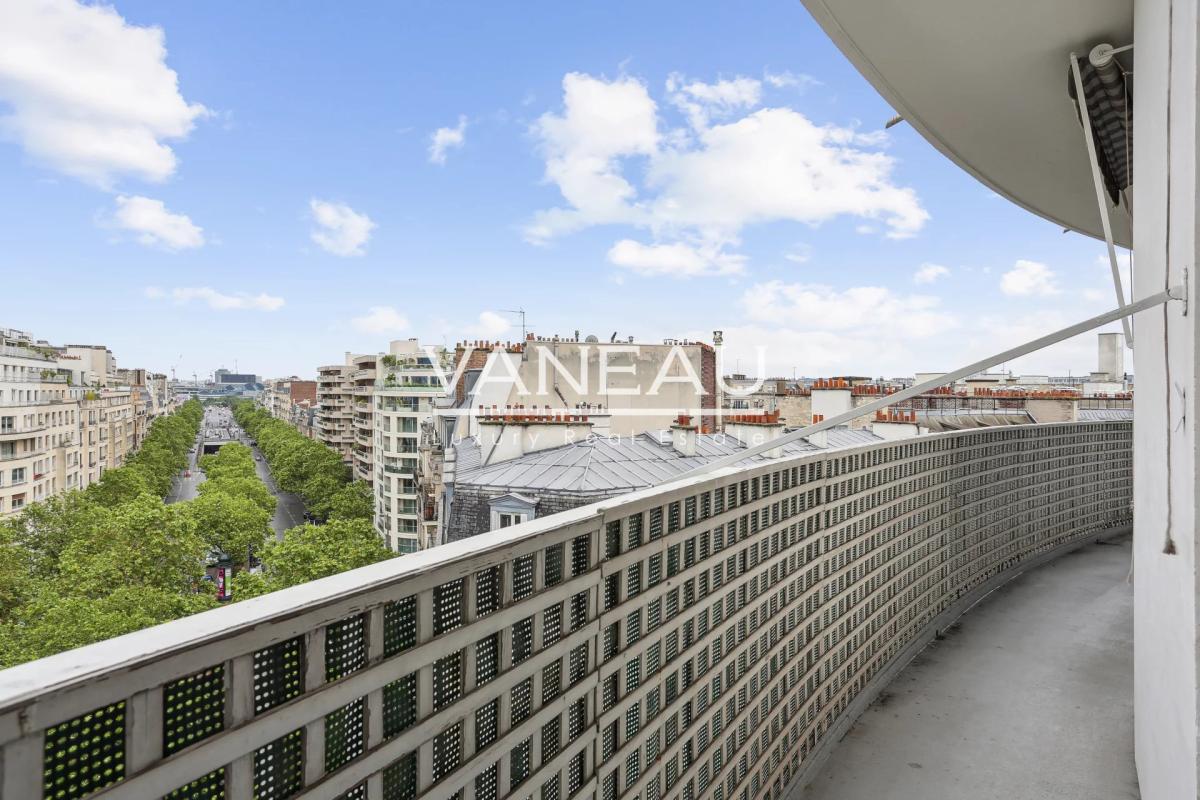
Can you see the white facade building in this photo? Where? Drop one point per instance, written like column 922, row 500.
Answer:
column 408, row 384
column 62, row 422
column 335, row 415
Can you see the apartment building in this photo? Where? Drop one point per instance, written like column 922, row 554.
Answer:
column 407, row 464
column 291, row 400
column 334, row 424
column 618, row 390
column 640, row 386
column 109, row 431
column 362, row 383
column 38, row 422
column 63, row 421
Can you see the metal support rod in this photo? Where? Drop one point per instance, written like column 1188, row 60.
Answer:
column 1101, row 202
column 1122, row 312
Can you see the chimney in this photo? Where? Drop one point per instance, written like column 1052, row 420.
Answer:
column 756, row 429
column 831, row 396
column 597, row 417
column 1112, row 356
column 518, row 431
column 892, row 424
column 820, row 439
column 684, row 435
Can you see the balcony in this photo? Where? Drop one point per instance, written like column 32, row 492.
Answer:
column 21, row 456
column 10, row 434
column 1051, row 651
column 776, row 598
column 39, row 378
column 402, row 387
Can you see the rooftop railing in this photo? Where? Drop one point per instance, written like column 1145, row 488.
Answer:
column 16, row 351
column 703, row 639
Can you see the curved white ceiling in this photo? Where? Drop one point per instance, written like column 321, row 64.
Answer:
column 985, row 81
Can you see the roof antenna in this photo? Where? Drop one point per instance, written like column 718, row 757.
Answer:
column 520, row 311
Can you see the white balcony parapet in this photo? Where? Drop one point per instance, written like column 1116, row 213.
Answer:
column 700, row 639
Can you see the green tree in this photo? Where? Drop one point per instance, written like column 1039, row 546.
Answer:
column 250, row 488
column 141, row 543
column 15, row 581
column 53, row 623
column 319, row 491
column 44, row 530
column 353, row 501
column 308, row 552
column 230, row 522
column 119, row 485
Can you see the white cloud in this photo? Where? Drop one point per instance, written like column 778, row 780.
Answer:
column 701, row 101
column 800, row 254
column 786, row 80
column 492, row 324
column 821, row 330
column 602, row 123
column 930, row 273
column 217, row 301
column 87, row 93
column 340, row 229
column 677, row 259
column 154, row 225
column 869, row 309
column 772, row 164
column 775, row 164
column 1029, row 279
column 381, row 321
column 445, row 138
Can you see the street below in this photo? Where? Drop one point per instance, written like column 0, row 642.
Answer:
column 219, row 427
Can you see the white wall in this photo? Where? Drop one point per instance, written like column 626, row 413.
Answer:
column 1164, row 450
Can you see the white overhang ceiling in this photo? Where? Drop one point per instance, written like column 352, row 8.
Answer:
column 985, row 81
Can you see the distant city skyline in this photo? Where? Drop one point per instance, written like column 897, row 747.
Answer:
column 289, row 195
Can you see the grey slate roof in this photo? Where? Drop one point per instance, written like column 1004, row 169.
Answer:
column 606, row 466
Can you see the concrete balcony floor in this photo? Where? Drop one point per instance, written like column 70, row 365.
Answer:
column 1029, row 696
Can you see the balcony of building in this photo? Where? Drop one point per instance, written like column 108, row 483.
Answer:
column 404, row 471
column 22, row 455
column 708, row 638
column 1050, row 652
column 34, row 377
column 9, row 434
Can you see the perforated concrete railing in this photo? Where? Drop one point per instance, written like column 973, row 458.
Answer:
column 693, row 641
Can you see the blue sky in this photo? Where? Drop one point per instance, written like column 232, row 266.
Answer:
column 657, row 169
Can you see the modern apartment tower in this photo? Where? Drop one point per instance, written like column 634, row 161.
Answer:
column 334, row 419
column 408, row 384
